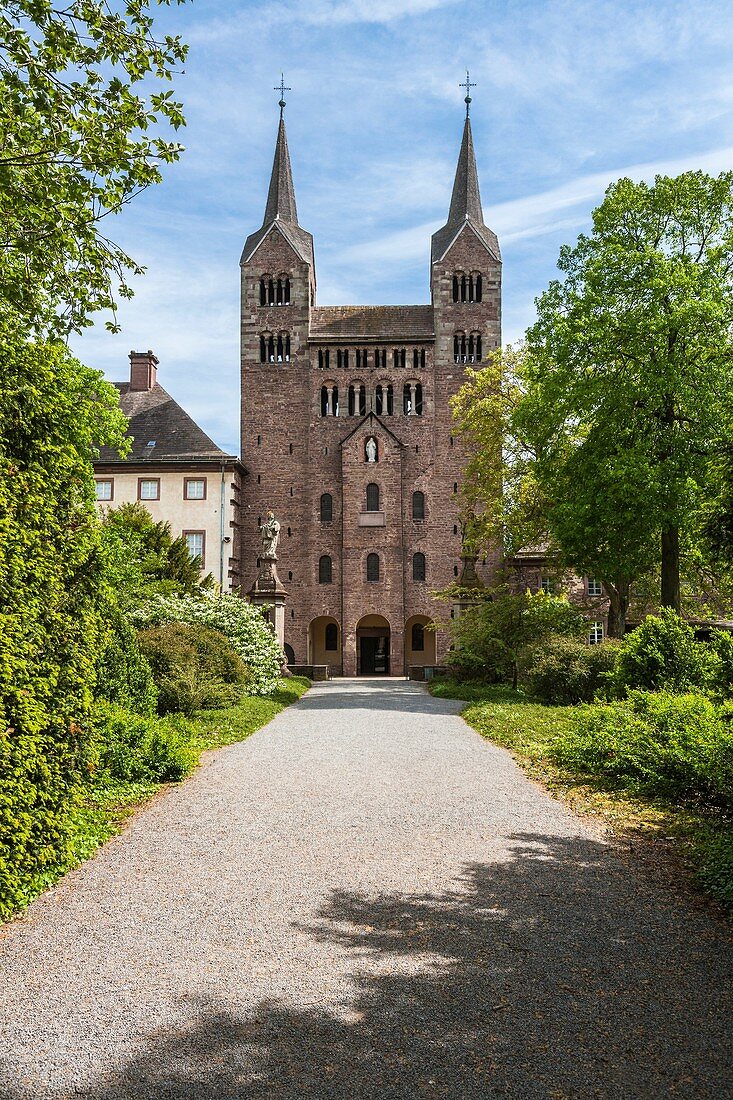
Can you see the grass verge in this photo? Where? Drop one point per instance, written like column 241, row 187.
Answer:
column 672, row 837
column 105, row 804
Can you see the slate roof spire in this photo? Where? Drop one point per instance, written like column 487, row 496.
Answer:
column 466, row 198
column 280, row 209
column 281, row 196
column 465, row 203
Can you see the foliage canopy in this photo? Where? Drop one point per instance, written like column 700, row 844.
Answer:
column 81, row 133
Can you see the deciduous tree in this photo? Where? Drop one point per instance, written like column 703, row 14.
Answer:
column 81, row 132
column 629, row 370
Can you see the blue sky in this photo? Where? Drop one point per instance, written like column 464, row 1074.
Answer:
column 571, row 94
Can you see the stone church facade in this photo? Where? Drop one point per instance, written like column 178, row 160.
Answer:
column 347, row 432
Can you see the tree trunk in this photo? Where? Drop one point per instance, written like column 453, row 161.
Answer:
column 671, row 569
column 618, row 598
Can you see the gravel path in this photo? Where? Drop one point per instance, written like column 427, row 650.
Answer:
column 363, row 900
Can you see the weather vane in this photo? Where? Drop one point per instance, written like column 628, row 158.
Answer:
column 282, row 90
column 467, row 85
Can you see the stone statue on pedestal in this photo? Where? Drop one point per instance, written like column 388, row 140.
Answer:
column 371, row 449
column 270, row 533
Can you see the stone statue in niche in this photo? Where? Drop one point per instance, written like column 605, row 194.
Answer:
column 371, row 449
column 269, row 533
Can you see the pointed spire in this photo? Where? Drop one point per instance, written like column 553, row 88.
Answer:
column 281, row 196
column 465, row 203
column 466, row 199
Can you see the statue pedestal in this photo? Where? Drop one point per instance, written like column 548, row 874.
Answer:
column 473, row 589
column 268, row 594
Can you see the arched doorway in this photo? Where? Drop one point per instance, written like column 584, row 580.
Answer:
column 324, row 641
column 372, row 646
column 419, row 642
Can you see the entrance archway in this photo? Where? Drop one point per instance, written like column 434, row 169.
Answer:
column 372, row 646
column 324, row 641
column 419, row 642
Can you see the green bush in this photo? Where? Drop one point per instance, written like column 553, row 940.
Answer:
column 489, row 638
column 721, row 646
column 662, row 654
column 562, row 671
column 193, row 667
column 52, row 411
column 237, row 619
column 124, row 676
column 674, row 744
column 134, row 748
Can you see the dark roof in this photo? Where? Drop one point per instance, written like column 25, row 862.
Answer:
column 281, row 209
column 384, row 323
column 161, row 430
column 465, row 204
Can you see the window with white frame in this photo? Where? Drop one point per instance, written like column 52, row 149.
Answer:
column 148, row 488
column 194, row 488
column 594, row 587
column 595, row 634
column 546, row 585
column 195, row 541
column 104, row 489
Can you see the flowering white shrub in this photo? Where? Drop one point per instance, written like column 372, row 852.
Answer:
column 242, row 624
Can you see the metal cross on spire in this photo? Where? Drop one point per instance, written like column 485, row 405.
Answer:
column 282, row 90
column 467, row 85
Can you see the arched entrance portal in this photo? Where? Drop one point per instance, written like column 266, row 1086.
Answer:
column 372, row 646
column 419, row 642
column 324, row 642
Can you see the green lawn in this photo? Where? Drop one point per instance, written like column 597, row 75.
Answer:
column 106, row 804
column 698, row 837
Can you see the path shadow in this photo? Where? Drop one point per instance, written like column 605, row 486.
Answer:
column 548, row 975
column 398, row 696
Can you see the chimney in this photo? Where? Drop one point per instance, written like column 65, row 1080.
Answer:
column 143, row 373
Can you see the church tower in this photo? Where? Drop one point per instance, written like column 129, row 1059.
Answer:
column 347, row 432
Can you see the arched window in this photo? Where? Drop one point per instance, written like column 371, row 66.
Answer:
column 351, row 399
column 263, row 293
column 287, row 347
column 418, row 638
column 332, row 637
column 390, row 401
column 263, row 350
column 372, row 570
column 418, row 567
column 326, row 508
column 479, row 288
column 418, row 505
column 280, row 348
column 270, row 292
column 455, row 288
column 379, row 400
column 325, row 570
column 456, row 348
column 286, row 293
column 463, row 288
column 372, row 497
column 418, row 399
column 324, row 401
column 271, row 349
column 279, row 293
